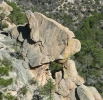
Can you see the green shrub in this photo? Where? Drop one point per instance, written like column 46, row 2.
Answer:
column 0, row 8
column 17, row 16
column 23, row 90
column 1, row 96
column 5, row 67
column 10, row 97
column 4, row 70
column 5, row 82
column 90, row 58
column 47, row 89
column 2, row 15
column 7, row 63
column 55, row 67
column 2, row 25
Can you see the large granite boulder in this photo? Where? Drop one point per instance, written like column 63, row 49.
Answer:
column 52, row 40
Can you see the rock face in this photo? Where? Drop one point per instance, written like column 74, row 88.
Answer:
column 52, row 40
column 95, row 93
column 71, row 72
column 41, row 41
column 84, row 93
column 5, row 8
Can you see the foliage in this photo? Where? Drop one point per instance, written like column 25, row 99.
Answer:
column 2, row 25
column 10, row 97
column 2, row 15
column 33, row 81
column 47, row 90
column 4, row 70
column 5, row 67
column 23, row 90
column 55, row 67
column 90, row 58
column 5, row 82
column 17, row 16
column 6, row 62
column 66, row 19
column 97, row 1
column 0, row 8
column 1, row 96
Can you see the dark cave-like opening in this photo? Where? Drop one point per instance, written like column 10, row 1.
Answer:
column 25, row 31
column 76, row 95
column 56, row 67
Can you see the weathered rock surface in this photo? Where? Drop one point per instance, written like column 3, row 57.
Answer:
column 72, row 95
column 44, row 40
column 95, row 93
column 53, row 41
column 63, row 88
column 5, row 8
column 41, row 74
column 71, row 73
column 84, row 93
column 58, row 77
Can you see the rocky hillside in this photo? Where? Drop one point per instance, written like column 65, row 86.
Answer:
column 85, row 19
column 36, row 64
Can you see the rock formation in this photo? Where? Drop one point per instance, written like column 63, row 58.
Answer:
column 52, row 41
column 5, row 8
column 41, row 41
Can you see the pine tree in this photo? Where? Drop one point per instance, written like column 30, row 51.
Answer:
column 47, row 90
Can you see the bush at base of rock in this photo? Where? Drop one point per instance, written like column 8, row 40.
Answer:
column 55, row 67
column 47, row 90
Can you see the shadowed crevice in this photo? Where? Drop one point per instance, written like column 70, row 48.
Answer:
column 4, row 33
column 76, row 95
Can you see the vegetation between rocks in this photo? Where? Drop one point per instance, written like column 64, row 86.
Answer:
column 8, row 96
column 47, row 90
column 5, row 67
column 17, row 16
column 23, row 90
column 55, row 67
column 5, row 82
column 2, row 25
